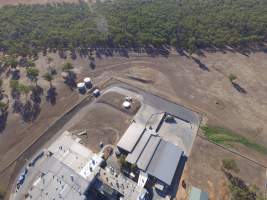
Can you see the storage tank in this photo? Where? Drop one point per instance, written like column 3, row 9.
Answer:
column 81, row 87
column 87, row 81
column 126, row 104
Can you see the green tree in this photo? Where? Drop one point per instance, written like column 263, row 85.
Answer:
column 24, row 89
column 71, row 76
column 3, row 106
column 14, row 85
column 232, row 78
column 49, row 60
column 11, row 61
column 230, row 164
column 32, row 74
column 49, row 77
column 29, row 63
column 2, row 192
column 67, row 67
column 1, row 89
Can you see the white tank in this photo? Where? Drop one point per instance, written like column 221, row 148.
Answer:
column 87, row 80
column 126, row 104
column 80, row 85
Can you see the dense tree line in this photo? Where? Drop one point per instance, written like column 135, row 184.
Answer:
column 186, row 24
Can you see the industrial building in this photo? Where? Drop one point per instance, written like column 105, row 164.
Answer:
column 68, row 170
column 152, row 155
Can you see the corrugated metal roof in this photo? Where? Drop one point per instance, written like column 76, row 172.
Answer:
column 133, row 157
column 148, row 152
column 165, row 162
column 131, row 136
column 155, row 120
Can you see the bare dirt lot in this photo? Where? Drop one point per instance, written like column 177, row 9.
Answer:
column 102, row 123
column 116, row 100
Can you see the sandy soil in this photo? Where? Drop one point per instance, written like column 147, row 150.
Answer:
column 116, row 100
column 102, row 123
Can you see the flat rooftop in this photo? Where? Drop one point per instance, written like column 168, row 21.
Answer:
column 125, row 186
column 58, row 175
column 68, row 150
column 57, row 181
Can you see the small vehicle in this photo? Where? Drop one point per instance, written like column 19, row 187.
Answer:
column 96, row 92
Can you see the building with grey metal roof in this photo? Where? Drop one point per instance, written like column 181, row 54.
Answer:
column 156, row 157
column 148, row 152
column 134, row 156
column 165, row 162
column 131, row 137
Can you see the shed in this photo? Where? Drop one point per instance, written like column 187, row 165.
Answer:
column 131, row 137
column 197, row 194
column 165, row 162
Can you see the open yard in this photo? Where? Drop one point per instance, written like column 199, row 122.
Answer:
column 116, row 100
column 102, row 123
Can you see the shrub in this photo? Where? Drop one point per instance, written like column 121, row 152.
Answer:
column 232, row 77
column 230, row 164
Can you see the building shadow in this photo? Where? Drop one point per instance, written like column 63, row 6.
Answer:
column 177, row 177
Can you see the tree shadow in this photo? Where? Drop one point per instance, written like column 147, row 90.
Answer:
column 123, row 52
column 200, row 64
column 71, row 80
column 92, row 65
column 154, row 51
column 244, row 49
column 73, row 55
column 239, row 88
column 36, row 94
column 62, row 54
column 182, row 52
column 30, row 111
column 240, row 190
column 3, row 120
column 17, row 105
column 15, row 94
column 15, row 74
column 83, row 52
column 51, row 96
column 98, row 54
